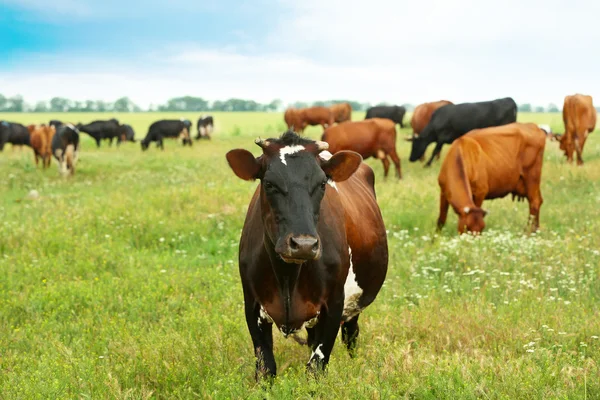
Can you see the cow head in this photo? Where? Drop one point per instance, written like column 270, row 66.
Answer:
column 419, row 145
column 145, row 143
column 471, row 219
column 293, row 182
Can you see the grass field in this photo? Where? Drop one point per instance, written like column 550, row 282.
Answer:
column 122, row 281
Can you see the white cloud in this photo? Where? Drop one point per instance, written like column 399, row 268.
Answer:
column 395, row 51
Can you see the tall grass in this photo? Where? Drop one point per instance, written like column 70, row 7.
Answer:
column 122, row 281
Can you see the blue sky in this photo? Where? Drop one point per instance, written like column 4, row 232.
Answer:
column 380, row 50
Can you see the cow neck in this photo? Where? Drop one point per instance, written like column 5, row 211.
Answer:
column 460, row 186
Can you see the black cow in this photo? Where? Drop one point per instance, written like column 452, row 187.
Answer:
column 100, row 129
column 394, row 113
column 127, row 134
column 313, row 250
column 55, row 123
column 65, row 148
column 167, row 128
column 14, row 133
column 205, row 127
column 450, row 122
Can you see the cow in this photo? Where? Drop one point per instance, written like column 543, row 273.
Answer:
column 450, row 122
column 205, row 127
column 127, row 134
column 579, row 117
column 65, row 148
column 394, row 113
column 546, row 128
column 41, row 143
column 55, row 123
column 167, row 128
column 313, row 250
column 342, row 112
column 374, row 137
column 422, row 114
column 14, row 133
column 293, row 119
column 491, row 163
column 102, row 129
column 311, row 116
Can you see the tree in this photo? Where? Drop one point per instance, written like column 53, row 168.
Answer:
column 15, row 104
column 525, row 107
column 124, row 104
column 275, row 105
column 3, row 103
column 41, row 106
column 552, row 108
column 59, row 104
column 408, row 106
column 540, row 109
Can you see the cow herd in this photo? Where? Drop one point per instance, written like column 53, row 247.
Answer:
column 313, row 251
column 61, row 140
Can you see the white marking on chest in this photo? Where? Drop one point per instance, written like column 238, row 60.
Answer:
column 287, row 150
column 264, row 316
column 352, row 293
column 317, row 353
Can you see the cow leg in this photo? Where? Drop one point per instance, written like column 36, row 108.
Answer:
column 110, row 140
column 436, row 151
column 579, row 142
column 37, row 161
column 386, row 166
column 98, row 143
column 326, row 331
column 396, row 160
column 261, row 332
column 350, row 334
column 443, row 211
column 534, row 197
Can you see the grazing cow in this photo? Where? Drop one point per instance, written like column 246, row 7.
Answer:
column 341, row 112
column 374, row 137
column 205, row 127
column 293, row 119
column 100, row 129
column 394, row 113
column 450, row 122
column 55, row 123
column 488, row 164
column 127, row 134
column 313, row 116
column 65, row 147
column 579, row 117
column 14, row 133
column 313, row 250
column 41, row 143
column 422, row 114
column 167, row 128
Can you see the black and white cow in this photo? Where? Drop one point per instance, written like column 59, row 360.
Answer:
column 65, row 148
column 14, row 133
column 205, row 127
column 165, row 128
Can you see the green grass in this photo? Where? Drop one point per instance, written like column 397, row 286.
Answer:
column 122, row 281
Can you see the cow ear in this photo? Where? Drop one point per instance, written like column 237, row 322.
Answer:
column 243, row 164
column 341, row 165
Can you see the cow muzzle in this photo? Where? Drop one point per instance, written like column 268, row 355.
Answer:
column 298, row 249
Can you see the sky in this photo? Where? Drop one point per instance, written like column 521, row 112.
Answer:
column 395, row 51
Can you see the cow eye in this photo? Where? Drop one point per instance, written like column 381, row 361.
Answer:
column 268, row 185
column 324, row 184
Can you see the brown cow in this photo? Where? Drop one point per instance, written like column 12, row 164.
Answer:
column 313, row 251
column 342, row 112
column 375, row 137
column 293, row 119
column 422, row 114
column 579, row 117
column 488, row 164
column 41, row 143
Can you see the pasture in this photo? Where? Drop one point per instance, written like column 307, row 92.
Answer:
column 122, row 281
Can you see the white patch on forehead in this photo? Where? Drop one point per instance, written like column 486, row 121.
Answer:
column 287, row 150
column 352, row 293
column 332, row 184
column 325, row 155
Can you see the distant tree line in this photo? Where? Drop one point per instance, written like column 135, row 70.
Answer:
column 191, row 103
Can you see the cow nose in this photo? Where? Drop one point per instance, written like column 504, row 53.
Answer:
column 304, row 247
